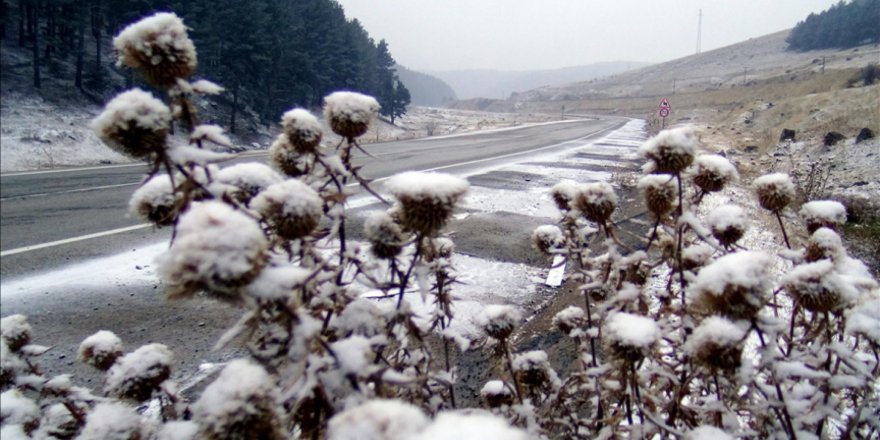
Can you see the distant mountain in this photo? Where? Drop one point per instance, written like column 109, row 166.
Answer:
column 425, row 89
column 500, row 84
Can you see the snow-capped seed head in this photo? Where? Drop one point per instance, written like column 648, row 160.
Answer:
column 360, row 317
column 499, row 321
column 114, row 421
column 11, row 365
column 775, row 191
column 136, row 375
column 548, row 238
column 707, row 433
column 287, row 159
column 629, row 337
column 349, row 113
column 377, row 420
column 240, row 403
column 817, row 287
column 385, row 236
column 18, row 409
column 159, row 47
column 660, row 193
column 670, row 151
column 570, row 318
column 134, row 123
column 864, row 319
column 496, row 394
column 564, row 194
column 713, row 172
column 728, row 223
column 596, row 201
column 291, row 207
column 823, row 213
column 716, row 344
column 426, row 200
column 15, row 331
column 696, row 256
column 533, row 369
column 57, row 422
column 155, row 201
column 302, row 129
column 734, row 285
column 101, row 350
column 475, row 425
column 248, row 179
column 824, row 243
column 217, row 249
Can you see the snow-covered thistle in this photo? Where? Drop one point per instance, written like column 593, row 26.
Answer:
column 716, row 344
column 426, row 200
column 349, row 114
column 292, row 207
column 713, row 173
column 670, row 151
column 155, row 201
column 548, row 239
column 159, row 47
column 135, row 124
column 302, row 129
column 735, row 286
column 101, row 349
column 660, row 193
column 138, row 374
column 728, row 223
column 597, row 201
column 385, row 236
column 775, row 191
column 823, row 214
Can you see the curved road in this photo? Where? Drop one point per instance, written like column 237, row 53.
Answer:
column 51, row 218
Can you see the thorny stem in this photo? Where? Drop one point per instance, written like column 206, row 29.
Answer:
column 782, row 226
column 512, row 374
column 788, row 425
column 405, row 280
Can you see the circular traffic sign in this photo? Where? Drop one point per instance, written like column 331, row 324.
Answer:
column 664, row 112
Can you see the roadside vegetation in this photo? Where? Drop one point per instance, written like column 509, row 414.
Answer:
column 690, row 334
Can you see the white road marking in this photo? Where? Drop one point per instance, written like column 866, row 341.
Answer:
column 67, row 170
column 72, row 240
column 69, row 191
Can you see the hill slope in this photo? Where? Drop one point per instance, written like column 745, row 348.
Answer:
column 425, row 89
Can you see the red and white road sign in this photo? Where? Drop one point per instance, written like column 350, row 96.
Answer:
column 664, row 103
column 664, row 112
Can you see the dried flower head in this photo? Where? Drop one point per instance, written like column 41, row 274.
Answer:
column 101, row 350
column 823, row 214
column 496, row 394
column 426, row 200
column 499, row 321
column 159, row 47
column 629, row 337
column 547, row 239
column 114, row 421
column 240, row 403
column 15, row 331
column 287, row 159
column 349, row 114
column 155, row 201
column 377, row 420
column 291, row 207
column 570, row 318
column 18, row 409
column 734, row 285
column 134, row 123
column 564, row 194
column 824, row 243
column 775, row 191
column 660, row 193
column 302, row 129
column 713, row 172
column 385, row 236
column 670, row 151
column 728, row 223
column 817, row 287
column 596, row 201
column 244, row 181
column 716, row 344
column 217, row 249
column 533, row 369
column 696, row 256
column 136, row 375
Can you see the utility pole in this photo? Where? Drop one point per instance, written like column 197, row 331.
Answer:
column 673, row 86
column 823, row 65
column 745, row 72
column 699, row 29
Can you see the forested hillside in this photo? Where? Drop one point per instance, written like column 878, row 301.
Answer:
column 425, row 89
column 269, row 55
column 846, row 24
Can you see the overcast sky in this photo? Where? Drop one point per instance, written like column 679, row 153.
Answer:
column 543, row 34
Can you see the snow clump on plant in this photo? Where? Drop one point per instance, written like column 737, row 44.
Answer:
column 548, row 238
column 707, row 433
column 660, row 192
column 775, row 191
column 349, row 113
column 15, row 331
column 426, row 200
column 630, row 336
column 292, row 207
column 155, row 201
column 823, row 213
column 713, row 172
column 240, row 403
column 734, row 285
column 475, row 425
column 496, row 393
column 385, row 236
column 244, row 181
column 217, row 249
column 570, row 319
column 134, row 123
column 670, row 151
column 377, row 420
column 17, row 409
column 716, row 344
column 101, row 349
column 596, row 201
column 136, row 375
column 818, row 287
column 302, row 129
column 115, row 421
column 498, row 321
column 159, row 47
column 728, row 223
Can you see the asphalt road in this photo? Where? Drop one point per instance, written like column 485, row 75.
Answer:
column 49, row 219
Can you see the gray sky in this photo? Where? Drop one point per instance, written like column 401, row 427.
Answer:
column 544, row 34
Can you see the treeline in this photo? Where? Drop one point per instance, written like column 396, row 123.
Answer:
column 426, row 89
column 846, row 24
column 268, row 54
